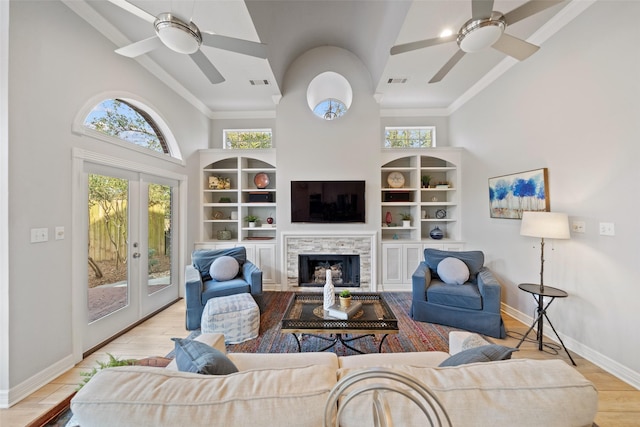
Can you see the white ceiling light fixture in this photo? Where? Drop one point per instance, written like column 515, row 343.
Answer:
column 479, row 34
column 178, row 35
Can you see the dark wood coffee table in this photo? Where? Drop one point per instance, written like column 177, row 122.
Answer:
column 305, row 315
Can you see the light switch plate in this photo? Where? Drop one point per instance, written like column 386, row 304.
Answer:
column 39, row 235
column 607, row 229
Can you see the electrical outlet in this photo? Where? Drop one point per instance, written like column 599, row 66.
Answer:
column 607, row 229
column 578, row 227
column 59, row 233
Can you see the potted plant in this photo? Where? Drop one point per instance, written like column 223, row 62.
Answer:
column 345, row 298
column 425, row 181
column 251, row 219
column 406, row 219
column 225, row 200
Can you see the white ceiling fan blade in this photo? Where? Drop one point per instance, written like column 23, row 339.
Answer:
column 448, row 66
column 134, row 9
column 245, row 47
column 408, row 47
column 207, row 67
column 530, row 8
column 515, row 47
column 481, row 9
column 140, row 48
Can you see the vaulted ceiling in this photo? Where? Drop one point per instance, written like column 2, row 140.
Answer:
column 288, row 28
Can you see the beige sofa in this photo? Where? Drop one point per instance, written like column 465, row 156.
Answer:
column 291, row 390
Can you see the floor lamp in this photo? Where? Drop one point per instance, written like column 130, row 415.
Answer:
column 545, row 225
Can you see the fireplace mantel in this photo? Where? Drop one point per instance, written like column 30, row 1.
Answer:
column 360, row 243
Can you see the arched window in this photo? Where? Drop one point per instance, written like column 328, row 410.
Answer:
column 128, row 122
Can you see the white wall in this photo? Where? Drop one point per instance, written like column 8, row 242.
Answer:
column 57, row 63
column 310, row 148
column 573, row 108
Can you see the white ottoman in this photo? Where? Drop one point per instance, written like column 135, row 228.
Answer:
column 235, row 316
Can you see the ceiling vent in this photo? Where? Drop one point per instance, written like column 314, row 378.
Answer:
column 259, row 82
column 399, row 80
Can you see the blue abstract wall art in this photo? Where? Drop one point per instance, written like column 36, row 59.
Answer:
column 510, row 195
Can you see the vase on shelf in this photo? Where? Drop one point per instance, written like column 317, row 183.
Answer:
column 436, row 233
column 329, row 295
column 387, row 218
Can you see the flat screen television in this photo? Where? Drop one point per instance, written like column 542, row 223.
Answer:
column 327, row 201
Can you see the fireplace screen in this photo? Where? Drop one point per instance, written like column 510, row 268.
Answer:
column 345, row 270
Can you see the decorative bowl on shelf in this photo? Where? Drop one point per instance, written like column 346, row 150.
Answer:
column 261, row 180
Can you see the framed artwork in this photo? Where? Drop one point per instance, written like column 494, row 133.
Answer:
column 510, row 195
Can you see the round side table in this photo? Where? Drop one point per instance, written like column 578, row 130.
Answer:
column 539, row 292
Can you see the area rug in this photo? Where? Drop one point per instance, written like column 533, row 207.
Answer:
column 413, row 336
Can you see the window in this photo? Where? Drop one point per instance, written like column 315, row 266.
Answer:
column 410, row 137
column 243, row 139
column 123, row 120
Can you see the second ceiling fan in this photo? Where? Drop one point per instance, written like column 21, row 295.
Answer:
column 185, row 37
column 485, row 29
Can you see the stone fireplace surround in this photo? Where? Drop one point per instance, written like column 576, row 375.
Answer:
column 359, row 243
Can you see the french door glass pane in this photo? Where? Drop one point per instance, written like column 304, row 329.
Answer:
column 159, row 235
column 108, row 235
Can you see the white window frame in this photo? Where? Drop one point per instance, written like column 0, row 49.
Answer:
column 409, row 128
column 264, row 130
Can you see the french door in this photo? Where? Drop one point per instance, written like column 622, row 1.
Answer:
column 131, row 252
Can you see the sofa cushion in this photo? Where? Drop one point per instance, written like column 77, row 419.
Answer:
column 214, row 289
column 484, row 353
column 467, row 296
column 224, row 268
column 453, row 271
column 142, row 396
column 518, row 392
column 473, row 259
column 202, row 258
column 200, row 358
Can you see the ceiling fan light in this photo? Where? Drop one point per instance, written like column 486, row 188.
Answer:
column 480, row 34
column 178, row 35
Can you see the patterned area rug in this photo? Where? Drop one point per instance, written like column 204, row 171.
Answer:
column 413, row 336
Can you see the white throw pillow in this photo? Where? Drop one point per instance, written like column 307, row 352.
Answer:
column 224, row 268
column 453, row 271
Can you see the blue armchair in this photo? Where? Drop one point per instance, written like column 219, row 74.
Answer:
column 200, row 287
column 473, row 306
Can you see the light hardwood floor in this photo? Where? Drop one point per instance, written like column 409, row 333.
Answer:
column 619, row 403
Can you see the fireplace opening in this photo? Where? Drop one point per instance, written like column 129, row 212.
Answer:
column 345, row 270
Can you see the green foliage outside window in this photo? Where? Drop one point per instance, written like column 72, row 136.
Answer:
column 247, row 139
column 412, row 137
column 122, row 120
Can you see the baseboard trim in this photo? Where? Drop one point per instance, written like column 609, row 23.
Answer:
column 32, row 384
column 616, row 369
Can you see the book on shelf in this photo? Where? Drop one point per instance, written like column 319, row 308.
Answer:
column 344, row 313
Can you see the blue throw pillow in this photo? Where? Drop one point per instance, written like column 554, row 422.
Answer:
column 473, row 259
column 198, row 357
column 485, row 353
column 202, row 258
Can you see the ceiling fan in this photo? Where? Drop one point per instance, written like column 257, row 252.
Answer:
column 185, row 37
column 485, row 29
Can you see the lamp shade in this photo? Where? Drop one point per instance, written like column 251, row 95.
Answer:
column 548, row 225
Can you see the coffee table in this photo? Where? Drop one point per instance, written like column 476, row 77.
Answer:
column 305, row 315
